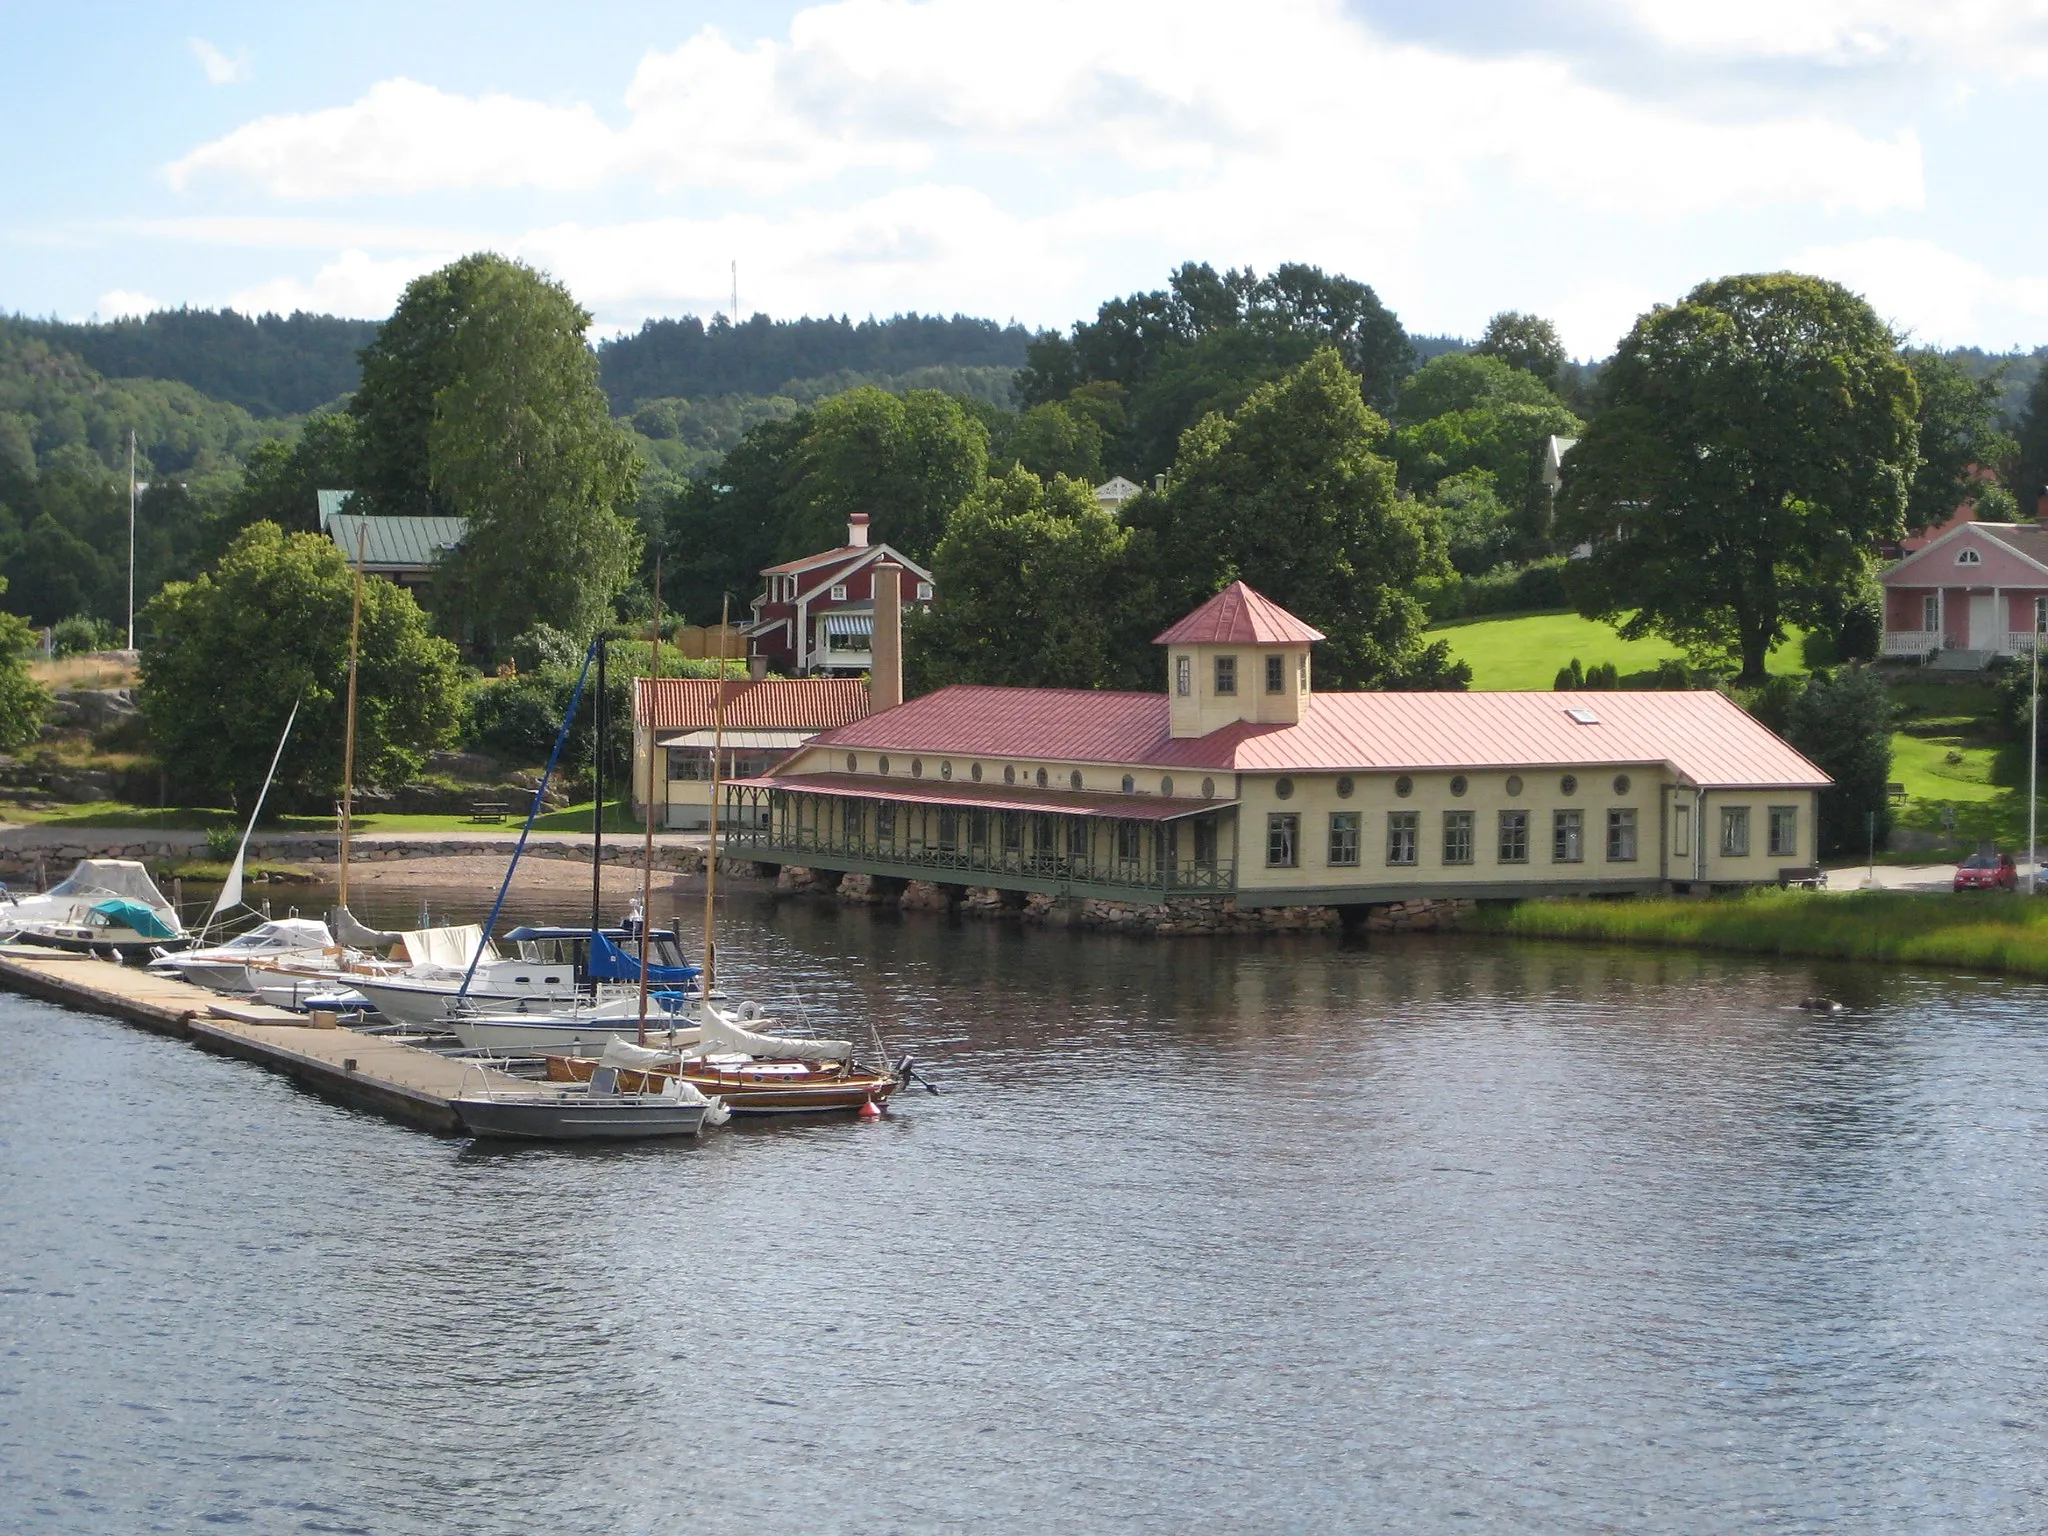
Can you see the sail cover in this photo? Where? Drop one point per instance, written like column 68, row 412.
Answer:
column 119, row 912
column 722, row 1032
column 449, row 947
column 352, row 934
column 112, row 877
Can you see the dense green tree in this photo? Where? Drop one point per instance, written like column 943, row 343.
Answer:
column 224, row 656
column 1464, row 381
column 1034, row 590
column 22, row 698
column 1959, row 435
column 1842, row 722
column 905, row 460
column 721, row 530
column 1527, row 342
column 1290, row 497
column 1479, row 528
column 1052, row 439
column 1759, row 441
column 480, row 399
column 281, row 478
column 2030, row 457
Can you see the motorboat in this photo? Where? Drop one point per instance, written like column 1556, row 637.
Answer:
column 602, row 1108
column 225, row 967
column 670, row 1021
column 549, row 970
column 68, row 915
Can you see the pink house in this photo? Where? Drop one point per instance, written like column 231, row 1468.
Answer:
column 1980, row 589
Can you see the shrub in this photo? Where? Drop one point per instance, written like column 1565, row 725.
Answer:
column 221, row 843
column 1570, row 678
column 543, row 648
column 1843, row 723
column 1672, row 674
column 79, row 634
column 517, row 718
column 1603, row 674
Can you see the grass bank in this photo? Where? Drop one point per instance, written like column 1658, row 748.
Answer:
column 1987, row 933
column 1522, row 652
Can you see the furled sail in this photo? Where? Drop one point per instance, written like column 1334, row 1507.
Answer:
column 722, row 1032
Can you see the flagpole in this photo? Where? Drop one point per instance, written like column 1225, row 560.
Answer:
column 131, row 538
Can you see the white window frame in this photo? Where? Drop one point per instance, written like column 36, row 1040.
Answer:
column 924, row 591
column 838, row 591
column 1969, row 557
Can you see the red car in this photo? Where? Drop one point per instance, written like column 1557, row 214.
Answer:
column 1987, row 872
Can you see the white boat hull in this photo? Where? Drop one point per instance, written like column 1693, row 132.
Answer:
column 582, row 1036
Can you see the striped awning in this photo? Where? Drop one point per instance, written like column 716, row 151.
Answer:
column 842, row 623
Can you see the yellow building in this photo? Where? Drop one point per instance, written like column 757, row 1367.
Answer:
column 1243, row 782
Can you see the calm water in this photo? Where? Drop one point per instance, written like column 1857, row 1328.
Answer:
column 1242, row 1237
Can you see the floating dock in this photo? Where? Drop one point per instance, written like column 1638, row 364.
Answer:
column 401, row 1082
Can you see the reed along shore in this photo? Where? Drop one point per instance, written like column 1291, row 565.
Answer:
column 1990, row 932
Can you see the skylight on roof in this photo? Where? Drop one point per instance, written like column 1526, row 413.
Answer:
column 1583, row 716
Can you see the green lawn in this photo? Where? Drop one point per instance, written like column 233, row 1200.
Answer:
column 1523, row 652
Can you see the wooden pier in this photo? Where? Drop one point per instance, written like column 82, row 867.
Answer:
column 399, row 1081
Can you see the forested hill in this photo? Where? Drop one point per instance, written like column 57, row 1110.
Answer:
column 685, row 359
column 273, row 365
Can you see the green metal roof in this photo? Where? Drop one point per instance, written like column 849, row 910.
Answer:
column 393, row 543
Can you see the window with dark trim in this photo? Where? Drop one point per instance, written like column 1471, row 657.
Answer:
column 1401, row 838
column 1514, row 837
column 1621, row 836
column 1283, row 840
column 1457, row 837
column 1734, row 831
column 1567, row 837
column 1344, row 839
column 1784, row 831
column 1276, row 674
column 1226, row 675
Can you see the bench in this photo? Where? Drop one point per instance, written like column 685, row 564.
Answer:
column 1895, row 791
column 1806, row 877
column 487, row 810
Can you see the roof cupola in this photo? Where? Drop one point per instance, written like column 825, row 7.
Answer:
column 1238, row 657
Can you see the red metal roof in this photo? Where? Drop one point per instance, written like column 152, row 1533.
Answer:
column 1708, row 739
column 984, row 797
column 1239, row 616
column 774, row 703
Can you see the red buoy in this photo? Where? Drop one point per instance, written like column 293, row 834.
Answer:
column 870, row 1110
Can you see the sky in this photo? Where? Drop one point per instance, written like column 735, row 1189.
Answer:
column 1027, row 159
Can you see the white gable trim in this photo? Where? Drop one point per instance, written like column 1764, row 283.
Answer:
column 867, row 557
column 1959, row 531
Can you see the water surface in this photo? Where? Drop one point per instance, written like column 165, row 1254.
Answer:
column 1242, row 1235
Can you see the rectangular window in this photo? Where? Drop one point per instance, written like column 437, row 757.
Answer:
column 1621, row 837
column 1276, row 674
column 924, row 591
column 1077, row 837
column 839, row 592
column 1567, row 837
column 1183, row 675
column 1734, row 831
column 1130, row 841
column 686, row 765
column 1514, row 837
column 977, row 829
column 1457, row 837
column 1205, row 842
column 2041, row 615
column 1301, row 675
column 949, row 829
column 1785, row 831
column 1283, row 841
column 1930, row 612
column 1344, row 839
column 1226, row 674
column 885, row 824
column 1013, row 831
column 1681, row 828
column 1401, row 837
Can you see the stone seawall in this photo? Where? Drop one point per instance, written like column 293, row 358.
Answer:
column 1188, row 915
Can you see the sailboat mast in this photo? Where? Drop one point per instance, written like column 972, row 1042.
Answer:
column 348, row 747
column 131, row 538
column 600, row 715
column 717, row 768
column 647, row 843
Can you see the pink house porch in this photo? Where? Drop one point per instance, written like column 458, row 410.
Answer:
column 1979, row 589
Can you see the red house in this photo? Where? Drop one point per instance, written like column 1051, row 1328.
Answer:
column 817, row 615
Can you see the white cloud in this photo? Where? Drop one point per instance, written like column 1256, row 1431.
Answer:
column 353, row 283
column 221, row 69
column 2008, row 38
column 1938, row 297
column 123, row 302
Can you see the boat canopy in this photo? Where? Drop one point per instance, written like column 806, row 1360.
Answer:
column 608, row 962
column 123, row 913
column 111, row 877
column 451, row 947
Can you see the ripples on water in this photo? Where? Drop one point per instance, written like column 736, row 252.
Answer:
column 1236, row 1236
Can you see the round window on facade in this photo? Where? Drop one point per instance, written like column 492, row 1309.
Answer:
column 1569, row 784
column 881, row 765
column 1284, row 788
column 1458, row 785
column 1208, row 789
column 1074, row 778
column 1514, row 785
column 974, row 773
column 917, row 767
column 1130, row 785
column 852, row 763
column 946, row 769
column 1404, row 786
column 1621, row 783
column 1345, row 786
column 1041, row 778
column 1009, row 773
column 1166, row 785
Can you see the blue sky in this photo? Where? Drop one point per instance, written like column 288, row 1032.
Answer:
column 1028, row 158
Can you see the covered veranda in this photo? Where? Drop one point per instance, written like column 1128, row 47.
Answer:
column 1070, row 843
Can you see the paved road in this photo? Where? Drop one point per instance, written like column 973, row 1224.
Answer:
column 1908, row 877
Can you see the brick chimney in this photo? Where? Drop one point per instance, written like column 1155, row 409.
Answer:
column 857, row 531
column 885, row 677
column 2041, row 509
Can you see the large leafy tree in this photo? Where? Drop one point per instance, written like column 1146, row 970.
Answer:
column 1034, row 590
column 22, row 698
column 224, row 656
column 2030, row 460
column 1843, row 721
column 720, row 530
column 1759, row 440
column 1290, row 496
column 1527, row 342
column 905, row 460
column 480, row 399
column 282, row 478
column 1959, row 436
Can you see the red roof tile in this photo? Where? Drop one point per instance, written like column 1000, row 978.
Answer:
column 774, row 703
column 1239, row 616
column 1706, row 738
column 983, row 797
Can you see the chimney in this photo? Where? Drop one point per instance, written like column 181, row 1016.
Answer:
column 857, row 531
column 885, row 682
column 757, row 667
column 2041, row 509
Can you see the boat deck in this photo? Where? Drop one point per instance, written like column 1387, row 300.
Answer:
column 401, row 1082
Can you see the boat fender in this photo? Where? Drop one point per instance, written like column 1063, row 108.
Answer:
column 870, row 1110
column 750, row 1010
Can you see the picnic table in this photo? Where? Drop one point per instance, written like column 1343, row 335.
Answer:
column 488, row 810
